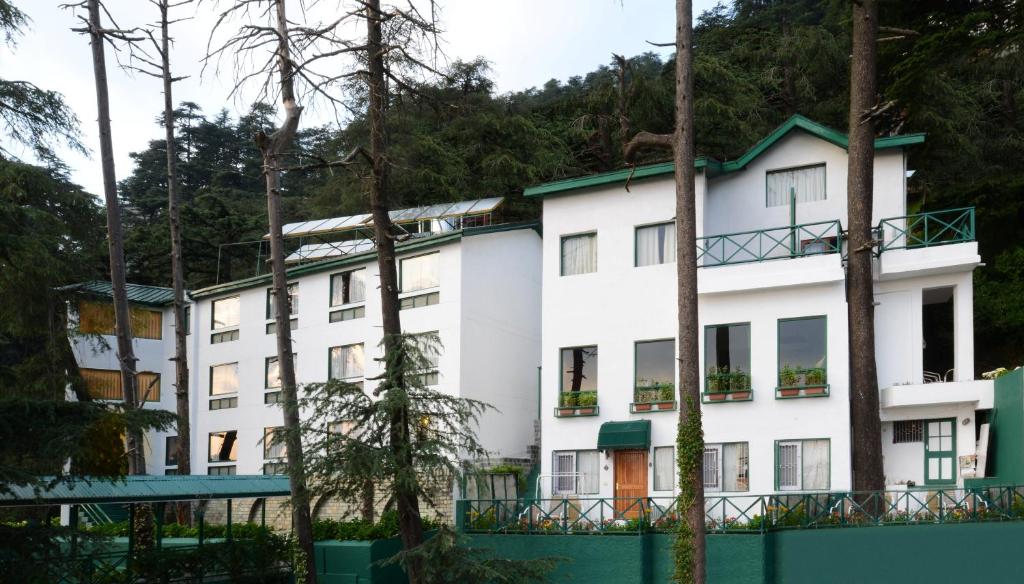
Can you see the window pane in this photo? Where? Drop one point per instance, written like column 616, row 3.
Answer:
column 736, row 467
column 664, row 468
column 655, row 363
column 564, row 473
column 346, row 362
column 171, row 451
column 808, row 184
column 224, row 379
column 430, row 347
column 579, row 254
column 224, row 446
column 588, row 464
column 815, row 465
column 225, row 312
column 273, row 373
column 789, row 466
column 293, row 300
column 420, row 273
column 802, row 343
column 270, row 448
column 727, row 348
column 656, row 244
column 579, row 369
column 348, row 287
column 712, row 470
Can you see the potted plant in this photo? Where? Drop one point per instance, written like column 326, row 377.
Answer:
column 788, row 379
column 739, row 385
column 568, row 400
column 814, row 379
column 666, row 396
column 587, row 401
column 640, row 401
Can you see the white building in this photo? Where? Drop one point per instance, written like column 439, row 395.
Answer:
column 773, row 318
column 478, row 288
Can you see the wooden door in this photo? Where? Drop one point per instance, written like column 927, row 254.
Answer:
column 630, row 482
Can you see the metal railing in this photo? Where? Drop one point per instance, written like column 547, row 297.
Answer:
column 927, row 229
column 744, row 514
column 768, row 244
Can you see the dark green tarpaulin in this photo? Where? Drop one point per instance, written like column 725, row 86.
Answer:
column 631, row 435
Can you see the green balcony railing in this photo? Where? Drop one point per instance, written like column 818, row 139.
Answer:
column 927, row 229
column 770, row 244
column 743, row 513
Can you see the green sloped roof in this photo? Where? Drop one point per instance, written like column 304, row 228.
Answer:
column 132, row 489
column 635, row 434
column 137, row 293
column 362, row 257
column 714, row 167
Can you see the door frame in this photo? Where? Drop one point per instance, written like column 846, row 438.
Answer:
column 928, row 455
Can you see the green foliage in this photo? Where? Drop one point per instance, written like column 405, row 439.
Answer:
column 210, row 530
column 447, row 559
column 689, row 460
column 362, row 530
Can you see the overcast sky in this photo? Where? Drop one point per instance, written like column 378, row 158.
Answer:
column 527, row 42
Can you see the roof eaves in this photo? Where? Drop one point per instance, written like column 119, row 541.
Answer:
column 615, row 176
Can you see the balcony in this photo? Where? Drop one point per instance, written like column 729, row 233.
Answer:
column 927, row 243
column 793, row 241
column 659, row 397
column 979, row 393
column 573, row 404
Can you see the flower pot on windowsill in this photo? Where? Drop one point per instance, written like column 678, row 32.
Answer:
column 584, row 411
column 642, row 407
column 740, row 395
column 789, row 391
column 716, row 396
column 666, row 405
column 814, row 390
column 566, row 411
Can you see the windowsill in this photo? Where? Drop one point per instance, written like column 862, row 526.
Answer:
column 799, row 391
column 652, row 407
column 576, row 411
column 717, row 397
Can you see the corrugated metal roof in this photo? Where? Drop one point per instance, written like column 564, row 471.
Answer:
column 133, row 489
column 137, row 293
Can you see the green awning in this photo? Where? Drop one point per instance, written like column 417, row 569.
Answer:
column 631, row 435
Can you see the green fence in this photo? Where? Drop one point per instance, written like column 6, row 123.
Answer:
column 768, row 244
column 927, row 229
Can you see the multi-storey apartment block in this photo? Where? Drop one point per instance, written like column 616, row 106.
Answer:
column 476, row 287
column 773, row 319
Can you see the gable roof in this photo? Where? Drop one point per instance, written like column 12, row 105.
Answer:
column 714, row 167
column 155, row 296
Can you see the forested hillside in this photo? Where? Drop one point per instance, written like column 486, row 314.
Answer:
column 952, row 69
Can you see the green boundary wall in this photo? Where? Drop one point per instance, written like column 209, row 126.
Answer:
column 964, row 552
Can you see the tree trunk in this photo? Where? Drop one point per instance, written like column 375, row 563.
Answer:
column 115, row 241
column 181, row 395
column 406, row 502
column 690, row 439
column 866, row 426
column 271, row 147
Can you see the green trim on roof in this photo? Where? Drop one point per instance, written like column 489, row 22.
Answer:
column 156, row 296
column 134, row 489
column 418, row 243
column 635, row 434
column 713, row 167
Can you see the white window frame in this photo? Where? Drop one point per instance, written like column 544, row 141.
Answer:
column 403, row 292
column 672, row 474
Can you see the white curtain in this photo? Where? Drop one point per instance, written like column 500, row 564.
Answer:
column 421, row 272
column 273, row 373
column 815, row 465
column 347, row 361
column 357, row 286
column 579, row 254
column 588, row 464
column 809, row 184
column 735, row 463
column 272, row 449
column 224, row 379
column 225, row 312
column 348, row 287
column 656, row 244
column 664, row 468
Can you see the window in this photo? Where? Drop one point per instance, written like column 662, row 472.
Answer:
column 579, row 254
column 802, row 354
column 275, row 468
column 420, row 272
column 802, row 465
column 664, row 468
column 804, row 184
column 293, row 301
column 575, row 472
column 105, row 384
column 224, row 446
column 727, row 357
column 273, row 397
column 224, row 379
column 98, row 318
column 187, row 317
column 348, row 287
column 224, row 403
column 907, row 431
column 273, row 450
column 429, row 345
column 171, row 451
column 428, row 299
column 225, row 313
column 727, row 467
column 579, row 369
column 221, row 470
column 348, row 314
column 272, row 371
column 272, row 326
column 654, row 371
column 655, row 244
column 224, row 337
column 346, row 362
